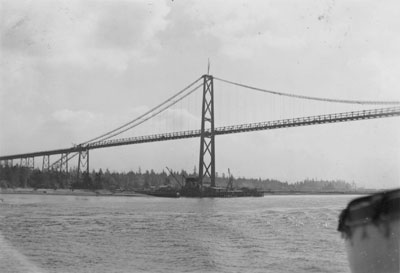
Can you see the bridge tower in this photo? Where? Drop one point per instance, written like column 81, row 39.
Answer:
column 207, row 137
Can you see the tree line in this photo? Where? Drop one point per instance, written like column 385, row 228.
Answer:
column 23, row 177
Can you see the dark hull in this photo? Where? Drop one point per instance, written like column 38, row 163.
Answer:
column 173, row 194
column 204, row 194
column 221, row 194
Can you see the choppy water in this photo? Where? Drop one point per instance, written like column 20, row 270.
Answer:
column 148, row 234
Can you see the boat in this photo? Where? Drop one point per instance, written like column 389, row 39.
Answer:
column 163, row 191
column 192, row 188
column 370, row 227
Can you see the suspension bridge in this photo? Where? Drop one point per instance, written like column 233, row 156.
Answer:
column 287, row 110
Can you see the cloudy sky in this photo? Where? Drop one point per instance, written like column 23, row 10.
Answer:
column 71, row 70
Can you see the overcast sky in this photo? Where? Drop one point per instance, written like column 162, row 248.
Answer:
column 71, row 70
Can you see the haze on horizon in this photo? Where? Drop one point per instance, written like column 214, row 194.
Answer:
column 71, row 70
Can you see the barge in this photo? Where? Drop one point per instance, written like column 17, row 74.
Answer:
column 191, row 187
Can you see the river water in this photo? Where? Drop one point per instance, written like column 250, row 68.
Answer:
column 43, row 233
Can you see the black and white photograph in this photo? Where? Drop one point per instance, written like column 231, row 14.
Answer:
column 240, row 136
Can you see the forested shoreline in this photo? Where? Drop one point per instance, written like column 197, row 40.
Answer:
column 22, row 177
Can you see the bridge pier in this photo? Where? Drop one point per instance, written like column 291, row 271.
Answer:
column 46, row 163
column 83, row 161
column 207, row 134
column 6, row 163
column 64, row 163
column 30, row 162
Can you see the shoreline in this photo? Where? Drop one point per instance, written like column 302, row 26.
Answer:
column 81, row 192
column 67, row 192
column 321, row 193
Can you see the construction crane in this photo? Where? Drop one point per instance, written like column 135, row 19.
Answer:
column 176, row 179
column 229, row 186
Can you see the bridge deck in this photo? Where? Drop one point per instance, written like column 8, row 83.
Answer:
column 268, row 125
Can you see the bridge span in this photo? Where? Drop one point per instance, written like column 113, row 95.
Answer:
column 224, row 130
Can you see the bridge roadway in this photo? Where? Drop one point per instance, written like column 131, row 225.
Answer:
column 268, row 125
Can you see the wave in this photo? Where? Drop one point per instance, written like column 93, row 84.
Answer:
column 12, row 260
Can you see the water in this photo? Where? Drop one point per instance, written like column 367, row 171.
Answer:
column 149, row 234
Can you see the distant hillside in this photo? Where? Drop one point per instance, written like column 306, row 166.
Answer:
column 301, row 186
column 21, row 177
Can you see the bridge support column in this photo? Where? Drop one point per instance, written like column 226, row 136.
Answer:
column 46, row 163
column 6, row 163
column 64, row 163
column 83, row 161
column 30, row 162
column 207, row 138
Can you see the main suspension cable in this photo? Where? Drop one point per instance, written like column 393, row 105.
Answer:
column 140, row 120
column 141, row 116
column 309, row 97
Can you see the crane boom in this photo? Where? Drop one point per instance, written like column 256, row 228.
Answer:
column 230, row 181
column 176, row 179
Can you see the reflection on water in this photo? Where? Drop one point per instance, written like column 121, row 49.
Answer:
column 140, row 234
